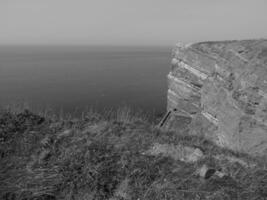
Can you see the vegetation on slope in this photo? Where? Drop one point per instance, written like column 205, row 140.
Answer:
column 100, row 157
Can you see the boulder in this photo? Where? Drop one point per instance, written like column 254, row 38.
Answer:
column 222, row 86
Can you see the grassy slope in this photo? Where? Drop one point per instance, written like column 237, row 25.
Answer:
column 103, row 158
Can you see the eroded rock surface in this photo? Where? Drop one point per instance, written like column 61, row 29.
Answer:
column 222, row 87
column 176, row 152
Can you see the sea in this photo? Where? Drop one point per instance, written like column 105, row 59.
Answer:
column 75, row 78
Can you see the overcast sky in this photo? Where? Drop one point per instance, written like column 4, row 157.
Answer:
column 130, row 22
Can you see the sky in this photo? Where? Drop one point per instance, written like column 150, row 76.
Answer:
column 130, row 22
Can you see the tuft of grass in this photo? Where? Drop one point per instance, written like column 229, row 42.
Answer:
column 125, row 114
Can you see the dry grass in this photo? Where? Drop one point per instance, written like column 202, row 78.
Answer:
column 102, row 157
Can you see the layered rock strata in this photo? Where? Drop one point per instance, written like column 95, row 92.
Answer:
column 222, row 88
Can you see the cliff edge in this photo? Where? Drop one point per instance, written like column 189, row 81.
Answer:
column 220, row 88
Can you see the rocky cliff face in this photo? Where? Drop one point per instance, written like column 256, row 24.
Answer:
column 222, row 88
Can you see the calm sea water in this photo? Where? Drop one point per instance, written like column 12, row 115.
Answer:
column 73, row 78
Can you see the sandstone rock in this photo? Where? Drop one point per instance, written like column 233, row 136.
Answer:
column 176, row 119
column 223, row 87
column 177, row 152
column 206, row 172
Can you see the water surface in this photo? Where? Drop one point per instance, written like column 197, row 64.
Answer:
column 72, row 78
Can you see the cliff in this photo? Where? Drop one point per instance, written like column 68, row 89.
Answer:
column 220, row 90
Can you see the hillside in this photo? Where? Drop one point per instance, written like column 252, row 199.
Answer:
column 122, row 156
